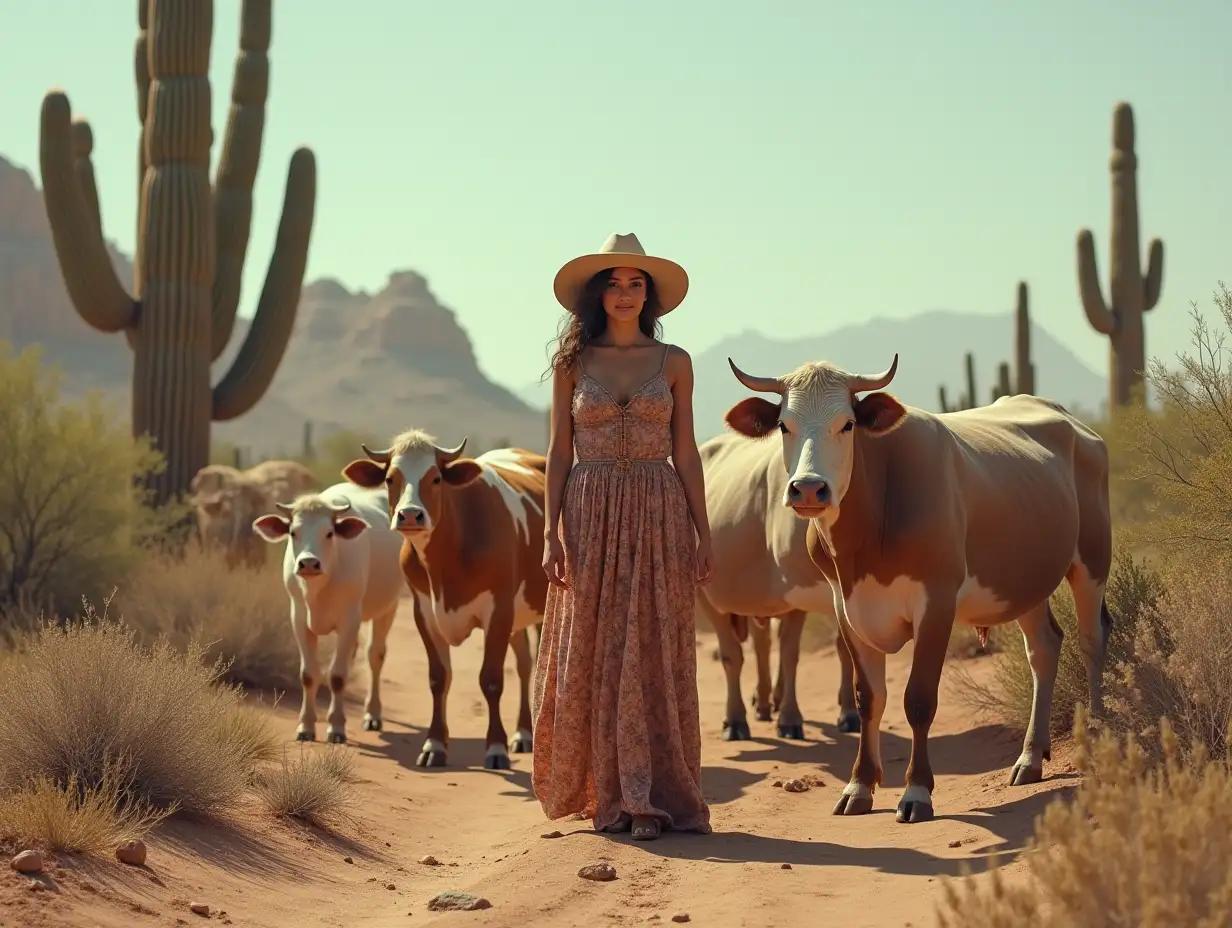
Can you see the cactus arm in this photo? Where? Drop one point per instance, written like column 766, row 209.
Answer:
column 941, row 397
column 257, row 362
column 1099, row 315
column 89, row 275
column 237, row 167
column 1152, row 283
column 83, row 146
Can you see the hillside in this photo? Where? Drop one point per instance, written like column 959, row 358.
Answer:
column 931, row 348
column 375, row 363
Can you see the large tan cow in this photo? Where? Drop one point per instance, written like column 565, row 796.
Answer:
column 762, row 569
column 920, row 521
column 283, row 480
column 227, row 501
column 472, row 552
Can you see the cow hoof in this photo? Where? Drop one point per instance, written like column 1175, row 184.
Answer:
column 763, row 715
column 371, row 723
column 853, row 805
column 336, row 737
column 520, row 745
column 736, row 731
column 913, row 812
column 305, row 736
column 1025, row 774
column 496, row 762
column 794, row 732
column 430, row 757
column 849, row 722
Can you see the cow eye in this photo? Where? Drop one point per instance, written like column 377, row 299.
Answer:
column 389, row 481
column 330, row 533
column 849, row 425
column 436, row 479
column 782, row 427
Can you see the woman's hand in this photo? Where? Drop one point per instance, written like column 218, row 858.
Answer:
column 554, row 562
column 705, row 561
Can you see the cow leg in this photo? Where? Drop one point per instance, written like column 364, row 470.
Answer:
column 309, row 671
column 735, row 722
column 848, row 716
column 440, row 674
column 1042, row 636
column 932, row 638
column 759, row 629
column 791, row 721
column 523, row 740
column 1094, row 625
column 870, row 697
column 348, row 641
column 378, row 636
column 496, row 641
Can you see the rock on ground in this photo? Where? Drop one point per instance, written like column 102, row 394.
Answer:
column 453, row 901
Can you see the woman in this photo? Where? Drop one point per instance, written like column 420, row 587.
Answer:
column 626, row 540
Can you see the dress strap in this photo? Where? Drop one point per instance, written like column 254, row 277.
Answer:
column 663, row 363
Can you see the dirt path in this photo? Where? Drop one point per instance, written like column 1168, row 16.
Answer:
column 485, row 828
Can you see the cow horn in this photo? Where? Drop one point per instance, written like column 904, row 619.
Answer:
column 449, row 455
column 341, row 507
column 757, row 384
column 862, row 384
column 380, row 457
column 283, row 507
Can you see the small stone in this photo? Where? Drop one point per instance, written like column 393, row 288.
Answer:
column 131, row 853
column 785, row 867
column 954, row 844
column 777, row 784
column 681, row 917
column 390, row 886
column 348, row 859
column 796, row 786
column 454, row 901
column 552, row 834
column 199, row 908
column 28, row 862
column 600, row 873
column 429, row 861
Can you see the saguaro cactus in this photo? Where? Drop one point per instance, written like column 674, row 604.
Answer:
column 965, row 400
column 1132, row 293
column 191, row 239
column 1002, row 387
column 1024, row 370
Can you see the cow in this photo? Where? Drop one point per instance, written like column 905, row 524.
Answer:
column 920, row 521
column 762, row 569
column 472, row 551
column 340, row 569
column 283, row 480
column 225, row 512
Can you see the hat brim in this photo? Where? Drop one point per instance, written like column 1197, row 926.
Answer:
column 670, row 279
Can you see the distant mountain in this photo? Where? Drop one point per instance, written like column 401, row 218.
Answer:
column 931, row 347
column 375, row 363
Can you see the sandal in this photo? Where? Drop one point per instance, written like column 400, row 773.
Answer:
column 645, row 828
column 621, row 825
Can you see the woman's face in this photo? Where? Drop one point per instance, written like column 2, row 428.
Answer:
column 625, row 294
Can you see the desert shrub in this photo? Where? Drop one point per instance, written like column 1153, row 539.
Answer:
column 1133, row 595
column 237, row 615
column 73, row 516
column 315, row 787
column 337, row 449
column 88, row 707
column 1144, row 844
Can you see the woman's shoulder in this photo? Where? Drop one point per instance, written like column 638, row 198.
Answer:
column 677, row 358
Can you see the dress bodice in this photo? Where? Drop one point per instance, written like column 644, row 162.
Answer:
column 640, row 430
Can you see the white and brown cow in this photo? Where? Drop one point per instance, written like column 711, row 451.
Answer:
column 920, row 521
column 762, row 569
column 472, row 551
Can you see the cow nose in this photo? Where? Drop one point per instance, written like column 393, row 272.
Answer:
column 808, row 493
column 308, row 566
column 411, row 517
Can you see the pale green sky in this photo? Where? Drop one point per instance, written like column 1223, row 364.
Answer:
column 810, row 163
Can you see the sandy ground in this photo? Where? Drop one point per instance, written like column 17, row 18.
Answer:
column 775, row 858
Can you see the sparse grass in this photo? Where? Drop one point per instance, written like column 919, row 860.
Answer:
column 315, row 787
column 1144, row 844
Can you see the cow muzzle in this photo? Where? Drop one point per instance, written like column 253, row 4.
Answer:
column 410, row 519
column 308, row 566
column 809, row 497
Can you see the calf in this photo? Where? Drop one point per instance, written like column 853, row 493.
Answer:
column 919, row 521
column 761, row 569
column 340, row 569
column 472, row 554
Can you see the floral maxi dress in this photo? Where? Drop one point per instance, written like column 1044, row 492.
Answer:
column 615, row 695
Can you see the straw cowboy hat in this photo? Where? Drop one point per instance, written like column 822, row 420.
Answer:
column 670, row 280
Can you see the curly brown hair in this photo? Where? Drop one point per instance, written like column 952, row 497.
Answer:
column 589, row 321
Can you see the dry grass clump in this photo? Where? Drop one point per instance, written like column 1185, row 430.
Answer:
column 1144, row 844
column 237, row 615
column 315, row 787
column 126, row 734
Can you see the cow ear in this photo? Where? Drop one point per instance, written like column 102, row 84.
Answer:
column 879, row 413
column 350, row 527
column 365, row 473
column 461, row 472
column 753, row 417
column 272, row 528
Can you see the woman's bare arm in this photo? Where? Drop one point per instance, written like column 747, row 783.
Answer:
column 560, row 448
column 684, row 443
